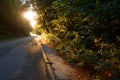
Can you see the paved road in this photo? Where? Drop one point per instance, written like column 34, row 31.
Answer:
column 22, row 59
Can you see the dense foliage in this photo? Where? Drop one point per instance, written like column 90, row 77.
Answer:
column 11, row 23
column 86, row 32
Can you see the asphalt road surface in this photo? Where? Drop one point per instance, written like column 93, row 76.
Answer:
column 22, row 60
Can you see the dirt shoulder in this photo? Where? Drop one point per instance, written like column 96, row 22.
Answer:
column 62, row 69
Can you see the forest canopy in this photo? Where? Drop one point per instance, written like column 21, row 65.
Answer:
column 86, row 32
column 11, row 22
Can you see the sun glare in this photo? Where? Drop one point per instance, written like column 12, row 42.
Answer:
column 33, row 23
column 31, row 17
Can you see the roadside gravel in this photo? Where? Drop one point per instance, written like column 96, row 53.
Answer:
column 62, row 70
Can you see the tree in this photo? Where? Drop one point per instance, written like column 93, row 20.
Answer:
column 11, row 21
column 86, row 32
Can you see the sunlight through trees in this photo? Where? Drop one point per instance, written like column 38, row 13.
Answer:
column 31, row 17
column 11, row 22
column 86, row 32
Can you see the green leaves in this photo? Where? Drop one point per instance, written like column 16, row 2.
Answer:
column 93, row 23
column 88, row 33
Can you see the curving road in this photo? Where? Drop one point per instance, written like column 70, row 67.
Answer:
column 22, row 59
